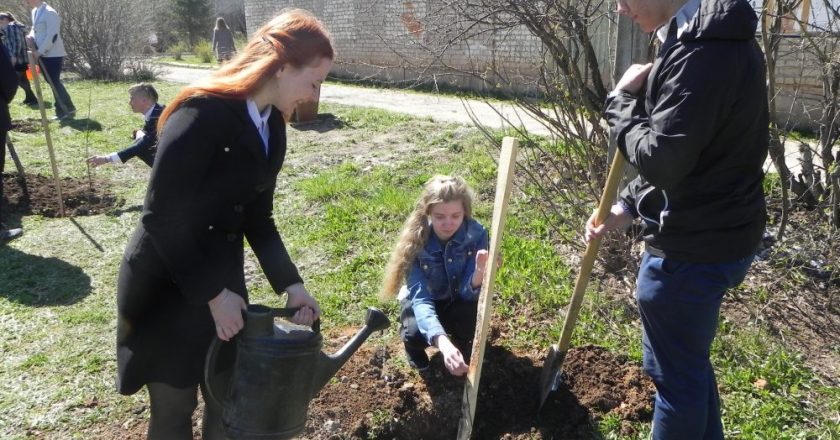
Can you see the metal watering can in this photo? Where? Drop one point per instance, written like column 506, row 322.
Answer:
column 265, row 377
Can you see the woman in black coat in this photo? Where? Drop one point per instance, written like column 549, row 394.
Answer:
column 181, row 281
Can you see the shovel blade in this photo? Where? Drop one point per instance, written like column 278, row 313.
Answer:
column 551, row 376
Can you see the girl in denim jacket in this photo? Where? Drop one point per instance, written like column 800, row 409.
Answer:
column 439, row 263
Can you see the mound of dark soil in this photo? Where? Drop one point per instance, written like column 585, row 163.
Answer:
column 372, row 401
column 26, row 125
column 36, row 194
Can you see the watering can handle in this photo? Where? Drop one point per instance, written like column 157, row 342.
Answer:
column 288, row 312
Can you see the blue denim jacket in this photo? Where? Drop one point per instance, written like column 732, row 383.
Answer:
column 443, row 273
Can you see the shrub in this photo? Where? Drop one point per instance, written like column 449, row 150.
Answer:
column 203, row 51
column 141, row 70
column 178, row 49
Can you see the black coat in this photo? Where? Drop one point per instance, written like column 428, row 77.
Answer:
column 211, row 185
column 699, row 139
column 8, row 88
column 144, row 148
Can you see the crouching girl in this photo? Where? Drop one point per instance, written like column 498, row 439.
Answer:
column 437, row 266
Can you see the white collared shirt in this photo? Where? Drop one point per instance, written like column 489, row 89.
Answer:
column 115, row 157
column 683, row 16
column 148, row 113
column 260, row 120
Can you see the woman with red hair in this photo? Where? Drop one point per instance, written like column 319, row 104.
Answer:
column 221, row 145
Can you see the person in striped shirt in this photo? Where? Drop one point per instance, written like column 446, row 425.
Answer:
column 14, row 39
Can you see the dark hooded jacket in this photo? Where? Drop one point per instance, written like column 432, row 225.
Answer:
column 699, row 138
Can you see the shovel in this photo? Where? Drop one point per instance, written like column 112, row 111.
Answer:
column 551, row 375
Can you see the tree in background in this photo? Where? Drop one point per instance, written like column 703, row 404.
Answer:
column 564, row 172
column 193, row 19
column 101, row 36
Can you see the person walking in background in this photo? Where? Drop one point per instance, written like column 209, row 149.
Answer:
column 223, row 45
column 48, row 47
column 698, row 135
column 438, row 267
column 182, row 278
column 8, row 87
column 143, row 99
column 14, row 38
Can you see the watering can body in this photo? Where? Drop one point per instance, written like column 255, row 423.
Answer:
column 265, row 377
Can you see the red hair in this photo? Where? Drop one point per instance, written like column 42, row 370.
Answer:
column 295, row 38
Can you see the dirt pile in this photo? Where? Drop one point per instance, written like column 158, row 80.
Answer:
column 374, row 400
column 36, row 194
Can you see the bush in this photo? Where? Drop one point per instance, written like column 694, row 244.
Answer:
column 101, row 35
column 203, row 51
column 141, row 70
column 178, row 49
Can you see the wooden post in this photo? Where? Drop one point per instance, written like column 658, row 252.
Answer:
column 46, row 125
column 507, row 166
column 805, row 16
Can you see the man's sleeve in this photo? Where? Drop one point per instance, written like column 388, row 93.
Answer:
column 665, row 145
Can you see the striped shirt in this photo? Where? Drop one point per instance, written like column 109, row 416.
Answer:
column 14, row 40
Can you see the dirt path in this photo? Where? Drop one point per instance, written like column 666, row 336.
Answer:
column 438, row 108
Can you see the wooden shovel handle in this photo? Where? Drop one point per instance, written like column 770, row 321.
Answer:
column 607, row 198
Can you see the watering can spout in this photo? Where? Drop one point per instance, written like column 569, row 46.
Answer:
column 375, row 321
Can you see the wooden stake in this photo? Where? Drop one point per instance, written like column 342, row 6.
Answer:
column 805, row 16
column 507, row 162
column 15, row 158
column 46, row 125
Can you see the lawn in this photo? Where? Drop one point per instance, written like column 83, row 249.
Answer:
column 342, row 197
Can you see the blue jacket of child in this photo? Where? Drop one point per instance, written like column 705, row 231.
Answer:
column 443, row 273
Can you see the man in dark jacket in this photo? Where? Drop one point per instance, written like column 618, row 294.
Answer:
column 142, row 98
column 698, row 136
column 8, row 87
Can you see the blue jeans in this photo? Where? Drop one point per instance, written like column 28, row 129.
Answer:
column 63, row 103
column 679, row 305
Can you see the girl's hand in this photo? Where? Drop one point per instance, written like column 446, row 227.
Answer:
column 309, row 311
column 617, row 218
column 480, row 266
column 452, row 357
column 226, row 309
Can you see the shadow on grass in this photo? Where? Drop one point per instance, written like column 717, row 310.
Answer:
column 81, row 124
column 322, row 123
column 38, row 281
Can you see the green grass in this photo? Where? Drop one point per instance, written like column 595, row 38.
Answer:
column 341, row 200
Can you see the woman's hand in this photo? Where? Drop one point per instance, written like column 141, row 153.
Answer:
column 452, row 357
column 226, row 309
column 617, row 218
column 309, row 311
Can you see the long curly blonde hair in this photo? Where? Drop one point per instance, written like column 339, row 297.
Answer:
column 415, row 231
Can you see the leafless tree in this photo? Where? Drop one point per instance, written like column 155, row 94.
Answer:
column 824, row 43
column 562, row 85
column 102, row 36
column 815, row 185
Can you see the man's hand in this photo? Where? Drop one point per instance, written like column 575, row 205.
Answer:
column 634, row 78
column 452, row 357
column 617, row 218
column 226, row 309
column 309, row 311
column 95, row 161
